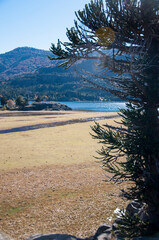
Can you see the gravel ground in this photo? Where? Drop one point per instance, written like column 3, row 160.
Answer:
column 59, row 199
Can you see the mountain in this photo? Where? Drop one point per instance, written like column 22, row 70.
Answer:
column 22, row 60
column 28, row 72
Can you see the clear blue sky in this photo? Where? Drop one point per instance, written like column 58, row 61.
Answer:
column 35, row 23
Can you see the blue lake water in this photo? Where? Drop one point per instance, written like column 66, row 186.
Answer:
column 96, row 106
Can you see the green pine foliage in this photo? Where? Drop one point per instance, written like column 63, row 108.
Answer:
column 132, row 226
column 124, row 36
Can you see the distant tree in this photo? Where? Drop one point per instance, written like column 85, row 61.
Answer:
column 21, row 101
column 3, row 100
column 10, row 104
column 124, row 36
column 26, row 101
column 38, row 99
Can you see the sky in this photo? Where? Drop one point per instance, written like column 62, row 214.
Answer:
column 36, row 23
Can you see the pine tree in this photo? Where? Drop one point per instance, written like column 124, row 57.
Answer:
column 38, row 99
column 21, row 102
column 124, row 36
column 3, row 100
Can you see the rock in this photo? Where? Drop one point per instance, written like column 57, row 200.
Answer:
column 102, row 229
column 107, row 232
column 104, row 232
column 140, row 209
column 105, row 236
column 53, row 237
column 133, row 208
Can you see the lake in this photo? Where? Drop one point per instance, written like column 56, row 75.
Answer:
column 96, row 106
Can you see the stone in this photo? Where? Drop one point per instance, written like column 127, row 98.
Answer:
column 104, row 236
column 53, row 237
column 102, row 229
column 101, row 236
column 133, row 208
column 140, row 209
column 104, row 232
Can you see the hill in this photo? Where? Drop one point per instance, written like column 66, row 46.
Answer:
column 21, row 61
column 28, row 72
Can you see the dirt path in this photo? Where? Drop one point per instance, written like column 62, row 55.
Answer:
column 30, row 113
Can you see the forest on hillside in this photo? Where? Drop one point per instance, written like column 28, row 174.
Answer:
column 28, row 72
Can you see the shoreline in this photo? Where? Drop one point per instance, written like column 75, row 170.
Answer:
column 56, row 124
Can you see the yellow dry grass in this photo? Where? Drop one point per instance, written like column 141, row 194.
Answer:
column 50, row 182
column 58, row 145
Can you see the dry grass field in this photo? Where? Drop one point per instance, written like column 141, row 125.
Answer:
column 49, row 179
